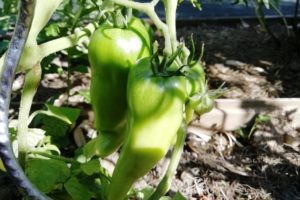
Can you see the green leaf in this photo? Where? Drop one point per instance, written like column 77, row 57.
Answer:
column 60, row 195
column 64, row 114
column 10, row 6
column 52, row 30
column 86, row 95
column 55, row 127
column 93, row 184
column 76, row 190
column 80, row 68
column 3, row 46
column 145, row 193
column 68, row 115
column 57, row 120
column 263, row 118
column 47, row 174
column 91, row 167
column 105, row 181
column 13, row 124
column 196, row 4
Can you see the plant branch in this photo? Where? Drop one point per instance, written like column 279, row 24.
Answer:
column 170, row 10
column 57, row 45
column 42, row 13
column 32, row 81
column 68, row 41
column 277, row 10
column 55, row 157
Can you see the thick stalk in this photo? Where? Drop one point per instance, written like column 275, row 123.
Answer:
column 47, row 48
column 43, row 12
column 57, row 44
column 31, row 83
column 170, row 10
column 148, row 8
column 66, row 42
column 12, row 58
column 165, row 184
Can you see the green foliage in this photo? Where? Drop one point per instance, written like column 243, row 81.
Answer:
column 86, row 95
column 57, row 122
column 53, row 30
column 47, row 174
column 9, row 7
column 65, row 114
column 195, row 3
column 246, row 132
column 77, row 190
column 91, row 167
column 6, row 26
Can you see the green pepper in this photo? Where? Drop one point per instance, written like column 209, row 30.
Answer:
column 156, row 107
column 112, row 52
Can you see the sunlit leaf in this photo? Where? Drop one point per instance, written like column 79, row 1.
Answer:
column 76, row 190
column 47, row 174
column 196, row 4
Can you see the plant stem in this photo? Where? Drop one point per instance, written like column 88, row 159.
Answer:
column 32, row 80
column 165, row 183
column 170, row 10
column 148, row 8
column 42, row 13
column 53, row 46
column 261, row 18
column 278, row 11
column 66, row 42
column 55, row 157
column 57, row 45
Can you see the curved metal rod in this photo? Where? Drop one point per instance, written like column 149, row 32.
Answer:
column 10, row 64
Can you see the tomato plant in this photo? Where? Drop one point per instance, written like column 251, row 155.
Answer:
column 140, row 96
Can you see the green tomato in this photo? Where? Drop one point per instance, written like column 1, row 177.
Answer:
column 112, row 52
column 195, row 77
column 156, row 106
